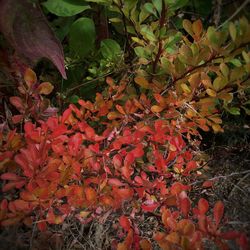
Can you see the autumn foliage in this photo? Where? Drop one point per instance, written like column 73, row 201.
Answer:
column 137, row 144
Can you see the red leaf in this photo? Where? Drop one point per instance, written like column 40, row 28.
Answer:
column 129, row 159
column 42, row 226
column 207, row 184
column 185, row 205
column 115, row 182
column 95, row 148
column 74, row 144
column 138, row 151
column 218, row 212
column 124, row 193
column 203, row 206
column 178, row 187
column 149, row 206
column 231, row 235
column 125, row 223
column 66, row 115
column 17, row 118
column 4, row 205
column 18, row 103
column 10, row 177
column 117, row 161
column 11, row 185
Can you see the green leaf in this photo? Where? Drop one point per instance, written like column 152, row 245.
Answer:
column 66, row 7
column 140, row 52
column 149, row 7
column 110, row 49
column 158, row 5
column 176, row 4
column 173, row 40
column 212, row 35
column 82, row 36
column 236, row 62
column 148, row 33
column 74, row 99
column 234, row 111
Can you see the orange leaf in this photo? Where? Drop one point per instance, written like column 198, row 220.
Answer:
column 173, row 237
column 90, row 194
column 142, row 82
column 125, row 193
column 45, row 88
column 30, row 77
column 120, row 109
column 125, row 223
column 145, row 244
column 218, row 212
column 156, row 109
column 197, row 27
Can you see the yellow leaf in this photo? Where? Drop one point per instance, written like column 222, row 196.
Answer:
column 185, row 88
column 113, row 115
column 156, row 109
column 216, row 120
column 142, row 82
column 224, row 69
column 211, row 92
column 84, row 214
column 187, row 25
column 219, row 83
column 30, row 77
column 45, row 88
column 217, row 128
column 232, row 31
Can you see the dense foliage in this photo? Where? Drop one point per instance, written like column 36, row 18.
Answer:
column 131, row 148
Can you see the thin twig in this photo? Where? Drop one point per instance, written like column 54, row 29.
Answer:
column 221, row 177
column 234, row 14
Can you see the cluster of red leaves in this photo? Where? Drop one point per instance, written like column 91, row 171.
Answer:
column 97, row 157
